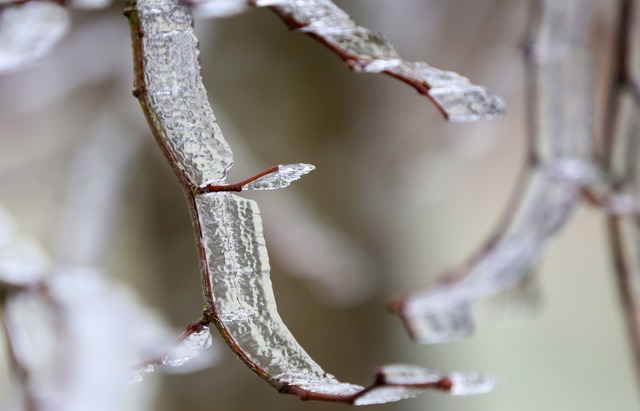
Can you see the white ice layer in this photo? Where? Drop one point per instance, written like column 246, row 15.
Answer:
column 283, row 177
column 176, row 95
column 368, row 51
column 188, row 348
column 29, row 31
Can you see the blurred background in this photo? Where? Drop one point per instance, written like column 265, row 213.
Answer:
column 398, row 198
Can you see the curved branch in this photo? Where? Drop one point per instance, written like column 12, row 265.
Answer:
column 561, row 164
column 368, row 51
column 235, row 270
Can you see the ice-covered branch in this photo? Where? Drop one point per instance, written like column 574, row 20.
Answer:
column 235, row 270
column 623, row 145
column 367, row 51
column 561, row 164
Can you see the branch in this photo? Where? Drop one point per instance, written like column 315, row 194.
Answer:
column 561, row 154
column 238, row 296
column 366, row 51
column 622, row 147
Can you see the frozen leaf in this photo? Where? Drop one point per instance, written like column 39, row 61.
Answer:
column 562, row 145
column 368, row 51
column 174, row 98
column 28, row 31
column 243, row 304
column 281, row 178
column 188, row 348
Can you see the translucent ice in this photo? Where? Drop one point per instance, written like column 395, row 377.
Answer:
column 238, row 273
column 368, row 51
column 29, row 31
column 175, row 96
column 188, row 348
column 283, row 177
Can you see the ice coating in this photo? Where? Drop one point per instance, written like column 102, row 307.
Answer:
column 281, row 178
column 242, row 295
column 188, row 348
column 563, row 145
column 29, row 31
column 368, row 51
column 172, row 90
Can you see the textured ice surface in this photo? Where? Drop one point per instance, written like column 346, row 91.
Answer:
column 283, row 177
column 238, row 267
column 176, row 97
column 188, row 348
column 365, row 50
column 563, row 145
column 29, row 31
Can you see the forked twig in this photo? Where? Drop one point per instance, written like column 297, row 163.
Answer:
column 235, row 270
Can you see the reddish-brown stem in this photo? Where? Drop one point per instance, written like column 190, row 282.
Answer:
column 211, row 188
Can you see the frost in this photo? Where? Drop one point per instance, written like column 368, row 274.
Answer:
column 28, row 31
column 368, row 51
column 188, row 348
column 283, row 177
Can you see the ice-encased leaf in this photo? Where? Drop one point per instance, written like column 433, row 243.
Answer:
column 137, row 375
column 244, row 305
column 29, row 31
column 177, row 103
column 281, row 178
column 368, row 51
column 194, row 344
column 562, row 142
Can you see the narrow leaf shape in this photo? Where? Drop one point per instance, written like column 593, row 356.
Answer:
column 368, row 51
column 281, row 178
column 170, row 85
column 562, row 149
